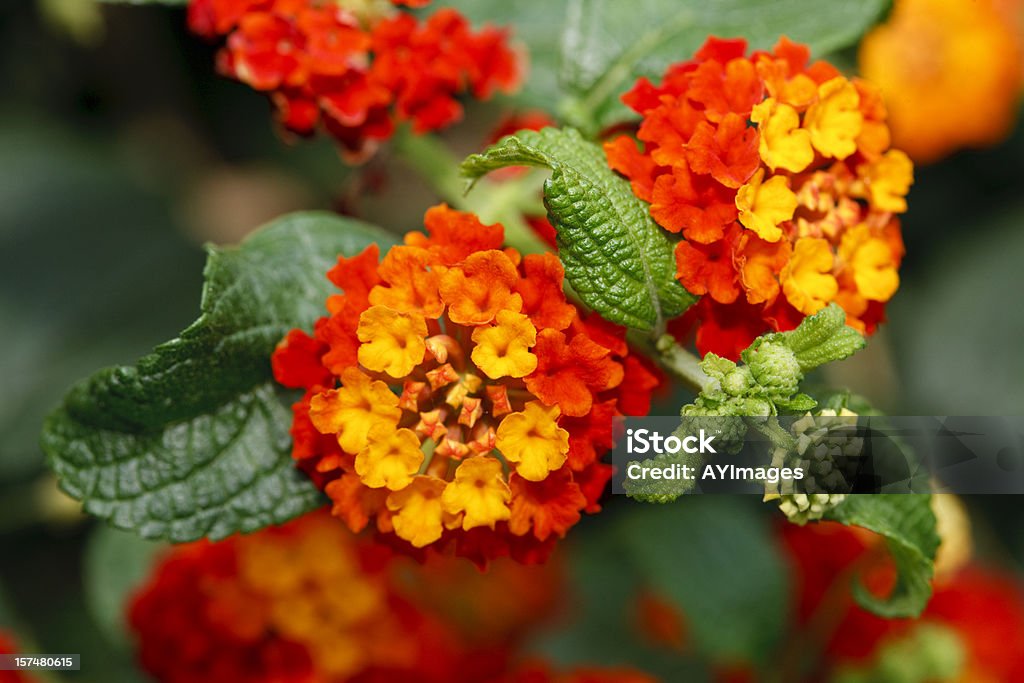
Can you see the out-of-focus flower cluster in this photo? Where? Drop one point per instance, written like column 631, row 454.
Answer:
column 357, row 67
column 779, row 177
column 950, row 72
column 309, row 601
column 453, row 394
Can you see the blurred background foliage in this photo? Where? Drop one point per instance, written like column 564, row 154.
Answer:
column 121, row 152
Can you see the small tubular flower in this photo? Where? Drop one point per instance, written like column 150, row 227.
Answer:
column 807, row 279
column 390, row 459
column 479, row 287
column 504, row 349
column 479, row 493
column 763, row 206
column 784, row 144
column 392, row 342
column 533, row 441
column 357, row 68
column 455, row 380
column 418, row 514
column 835, row 120
column 353, row 410
column 764, row 163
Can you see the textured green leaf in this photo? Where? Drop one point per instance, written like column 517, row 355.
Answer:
column 822, row 338
column 607, row 44
column 193, row 440
column 713, row 557
column 616, row 258
column 908, row 525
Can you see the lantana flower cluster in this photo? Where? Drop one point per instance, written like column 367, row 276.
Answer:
column 354, row 67
column 778, row 175
column 309, row 601
column 454, row 394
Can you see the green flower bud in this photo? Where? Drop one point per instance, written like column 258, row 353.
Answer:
column 722, row 421
column 801, row 508
column 775, row 367
column 658, row 491
column 827, row 451
column 738, row 382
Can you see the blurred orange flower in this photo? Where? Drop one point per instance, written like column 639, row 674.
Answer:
column 950, row 73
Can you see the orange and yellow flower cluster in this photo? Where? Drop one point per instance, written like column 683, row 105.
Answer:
column 357, row 67
column 453, row 394
column 308, row 601
column 778, row 175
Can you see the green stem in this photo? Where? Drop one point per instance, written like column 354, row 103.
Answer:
column 682, row 363
column 771, row 429
column 504, row 202
column 433, row 162
column 584, row 112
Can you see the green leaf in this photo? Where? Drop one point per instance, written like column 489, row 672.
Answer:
column 616, row 258
column 822, row 338
column 608, row 44
column 193, row 440
column 713, row 557
column 908, row 525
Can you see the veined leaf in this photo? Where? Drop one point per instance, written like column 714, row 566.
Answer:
column 823, row 338
column 908, row 525
column 616, row 258
column 193, row 440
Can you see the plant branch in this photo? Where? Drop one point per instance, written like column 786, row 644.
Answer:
column 504, row 202
column 681, row 363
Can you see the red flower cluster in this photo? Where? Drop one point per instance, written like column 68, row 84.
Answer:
column 778, row 175
column 454, row 395
column 309, row 602
column 357, row 68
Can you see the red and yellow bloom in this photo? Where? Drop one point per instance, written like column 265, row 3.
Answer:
column 778, row 177
column 453, row 394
